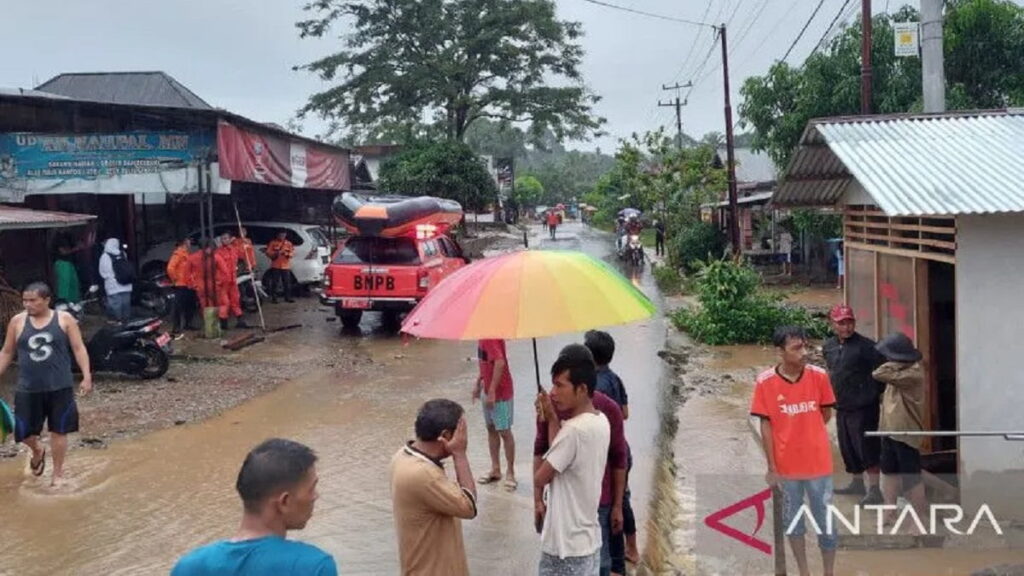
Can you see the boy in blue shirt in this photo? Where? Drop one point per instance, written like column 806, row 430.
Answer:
column 277, row 484
column 602, row 346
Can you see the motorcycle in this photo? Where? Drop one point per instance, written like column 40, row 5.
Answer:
column 635, row 251
column 136, row 347
column 155, row 295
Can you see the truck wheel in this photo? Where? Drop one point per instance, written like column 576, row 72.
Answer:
column 350, row 318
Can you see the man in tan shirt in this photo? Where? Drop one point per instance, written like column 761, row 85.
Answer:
column 427, row 504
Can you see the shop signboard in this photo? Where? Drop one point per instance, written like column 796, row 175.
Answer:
column 250, row 156
column 100, row 163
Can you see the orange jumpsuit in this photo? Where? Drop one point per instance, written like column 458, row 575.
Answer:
column 246, row 252
column 280, row 253
column 228, row 295
column 198, row 274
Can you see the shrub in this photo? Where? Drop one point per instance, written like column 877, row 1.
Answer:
column 734, row 311
column 695, row 243
column 668, row 279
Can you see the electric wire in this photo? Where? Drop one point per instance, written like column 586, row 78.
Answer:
column 804, row 29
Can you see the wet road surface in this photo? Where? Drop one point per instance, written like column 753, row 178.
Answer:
column 138, row 505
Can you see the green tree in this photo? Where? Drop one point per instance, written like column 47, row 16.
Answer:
column 529, row 191
column 984, row 63
column 455, row 61
column 443, row 168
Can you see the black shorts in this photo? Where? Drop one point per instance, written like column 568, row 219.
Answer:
column 860, row 453
column 901, row 459
column 57, row 408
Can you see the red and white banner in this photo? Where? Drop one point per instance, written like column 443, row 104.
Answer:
column 247, row 156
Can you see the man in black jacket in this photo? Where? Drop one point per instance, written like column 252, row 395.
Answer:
column 851, row 358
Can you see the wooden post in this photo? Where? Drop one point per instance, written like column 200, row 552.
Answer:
column 779, row 529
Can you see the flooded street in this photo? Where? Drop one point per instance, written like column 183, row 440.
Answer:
column 136, row 506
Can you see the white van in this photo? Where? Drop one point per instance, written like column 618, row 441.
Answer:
column 312, row 249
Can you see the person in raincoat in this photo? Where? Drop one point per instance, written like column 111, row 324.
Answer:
column 902, row 411
column 280, row 251
column 202, row 279
column 180, row 274
column 227, row 282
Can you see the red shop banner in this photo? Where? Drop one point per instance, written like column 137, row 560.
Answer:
column 247, row 156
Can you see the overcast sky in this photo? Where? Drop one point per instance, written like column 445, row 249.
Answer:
column 238, row 54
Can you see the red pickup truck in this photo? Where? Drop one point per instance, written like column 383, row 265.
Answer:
column 388, row 275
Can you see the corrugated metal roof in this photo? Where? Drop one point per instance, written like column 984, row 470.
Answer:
column 752, row 166
column 144, row 88
column 955, row 163
column 13, row 218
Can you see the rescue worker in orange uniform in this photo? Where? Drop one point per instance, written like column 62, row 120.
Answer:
column 202, row 280
column 246, row 251
column 280, row 252
column 179, row 272
column 228, row 296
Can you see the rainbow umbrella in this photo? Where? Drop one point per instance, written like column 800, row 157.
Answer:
column 528, row 294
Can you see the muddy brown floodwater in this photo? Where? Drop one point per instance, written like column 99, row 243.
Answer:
column 136, row 506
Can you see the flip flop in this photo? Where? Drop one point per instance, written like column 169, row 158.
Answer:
column 40, row 467
column 511, row 484
column 488, row 479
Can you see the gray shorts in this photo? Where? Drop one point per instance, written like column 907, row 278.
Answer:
column 571, row 566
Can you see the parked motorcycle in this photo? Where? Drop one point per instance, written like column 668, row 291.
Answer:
column 136, row 347
column 154, row 294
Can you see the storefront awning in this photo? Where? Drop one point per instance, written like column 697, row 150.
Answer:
column 27, row 219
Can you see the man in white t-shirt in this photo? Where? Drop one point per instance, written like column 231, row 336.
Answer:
column 573, row 468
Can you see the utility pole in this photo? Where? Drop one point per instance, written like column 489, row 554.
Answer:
column 933, row 75
column 865, row 57
column 734, row 213
column 678, row 105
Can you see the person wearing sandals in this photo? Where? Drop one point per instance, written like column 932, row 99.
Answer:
column 495, row 386
column 44, row 342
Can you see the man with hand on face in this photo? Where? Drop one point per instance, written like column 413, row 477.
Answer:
column 427, row 504
column 575, row 534
column 277, row 484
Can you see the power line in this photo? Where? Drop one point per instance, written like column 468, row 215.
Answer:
column 693, row 45
column 745, row 30
column 804, row 29
column 649, row 14
column 734, row 11
column 831, row 25
column 776, row 27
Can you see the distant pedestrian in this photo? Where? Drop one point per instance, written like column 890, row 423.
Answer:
column 553, row 221
column 786, row 250
column 902, row 410
column 840, row 267
column 44, row 341
column 428, row 505
column 794, row 402
column 280, row 251
column 494, row 384
column 573, row 469
column 659, row 237
column 179, row 272
column 278, row 487
column 117, row 273
column 851, row 358
column 602, row 346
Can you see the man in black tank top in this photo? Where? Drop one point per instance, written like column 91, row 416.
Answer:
column 44, row 340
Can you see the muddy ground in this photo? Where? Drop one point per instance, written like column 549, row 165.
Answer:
column 205, row 380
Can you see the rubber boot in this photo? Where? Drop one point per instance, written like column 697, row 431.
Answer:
column 241, row 323
column 856, row 486
column 224, row 324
